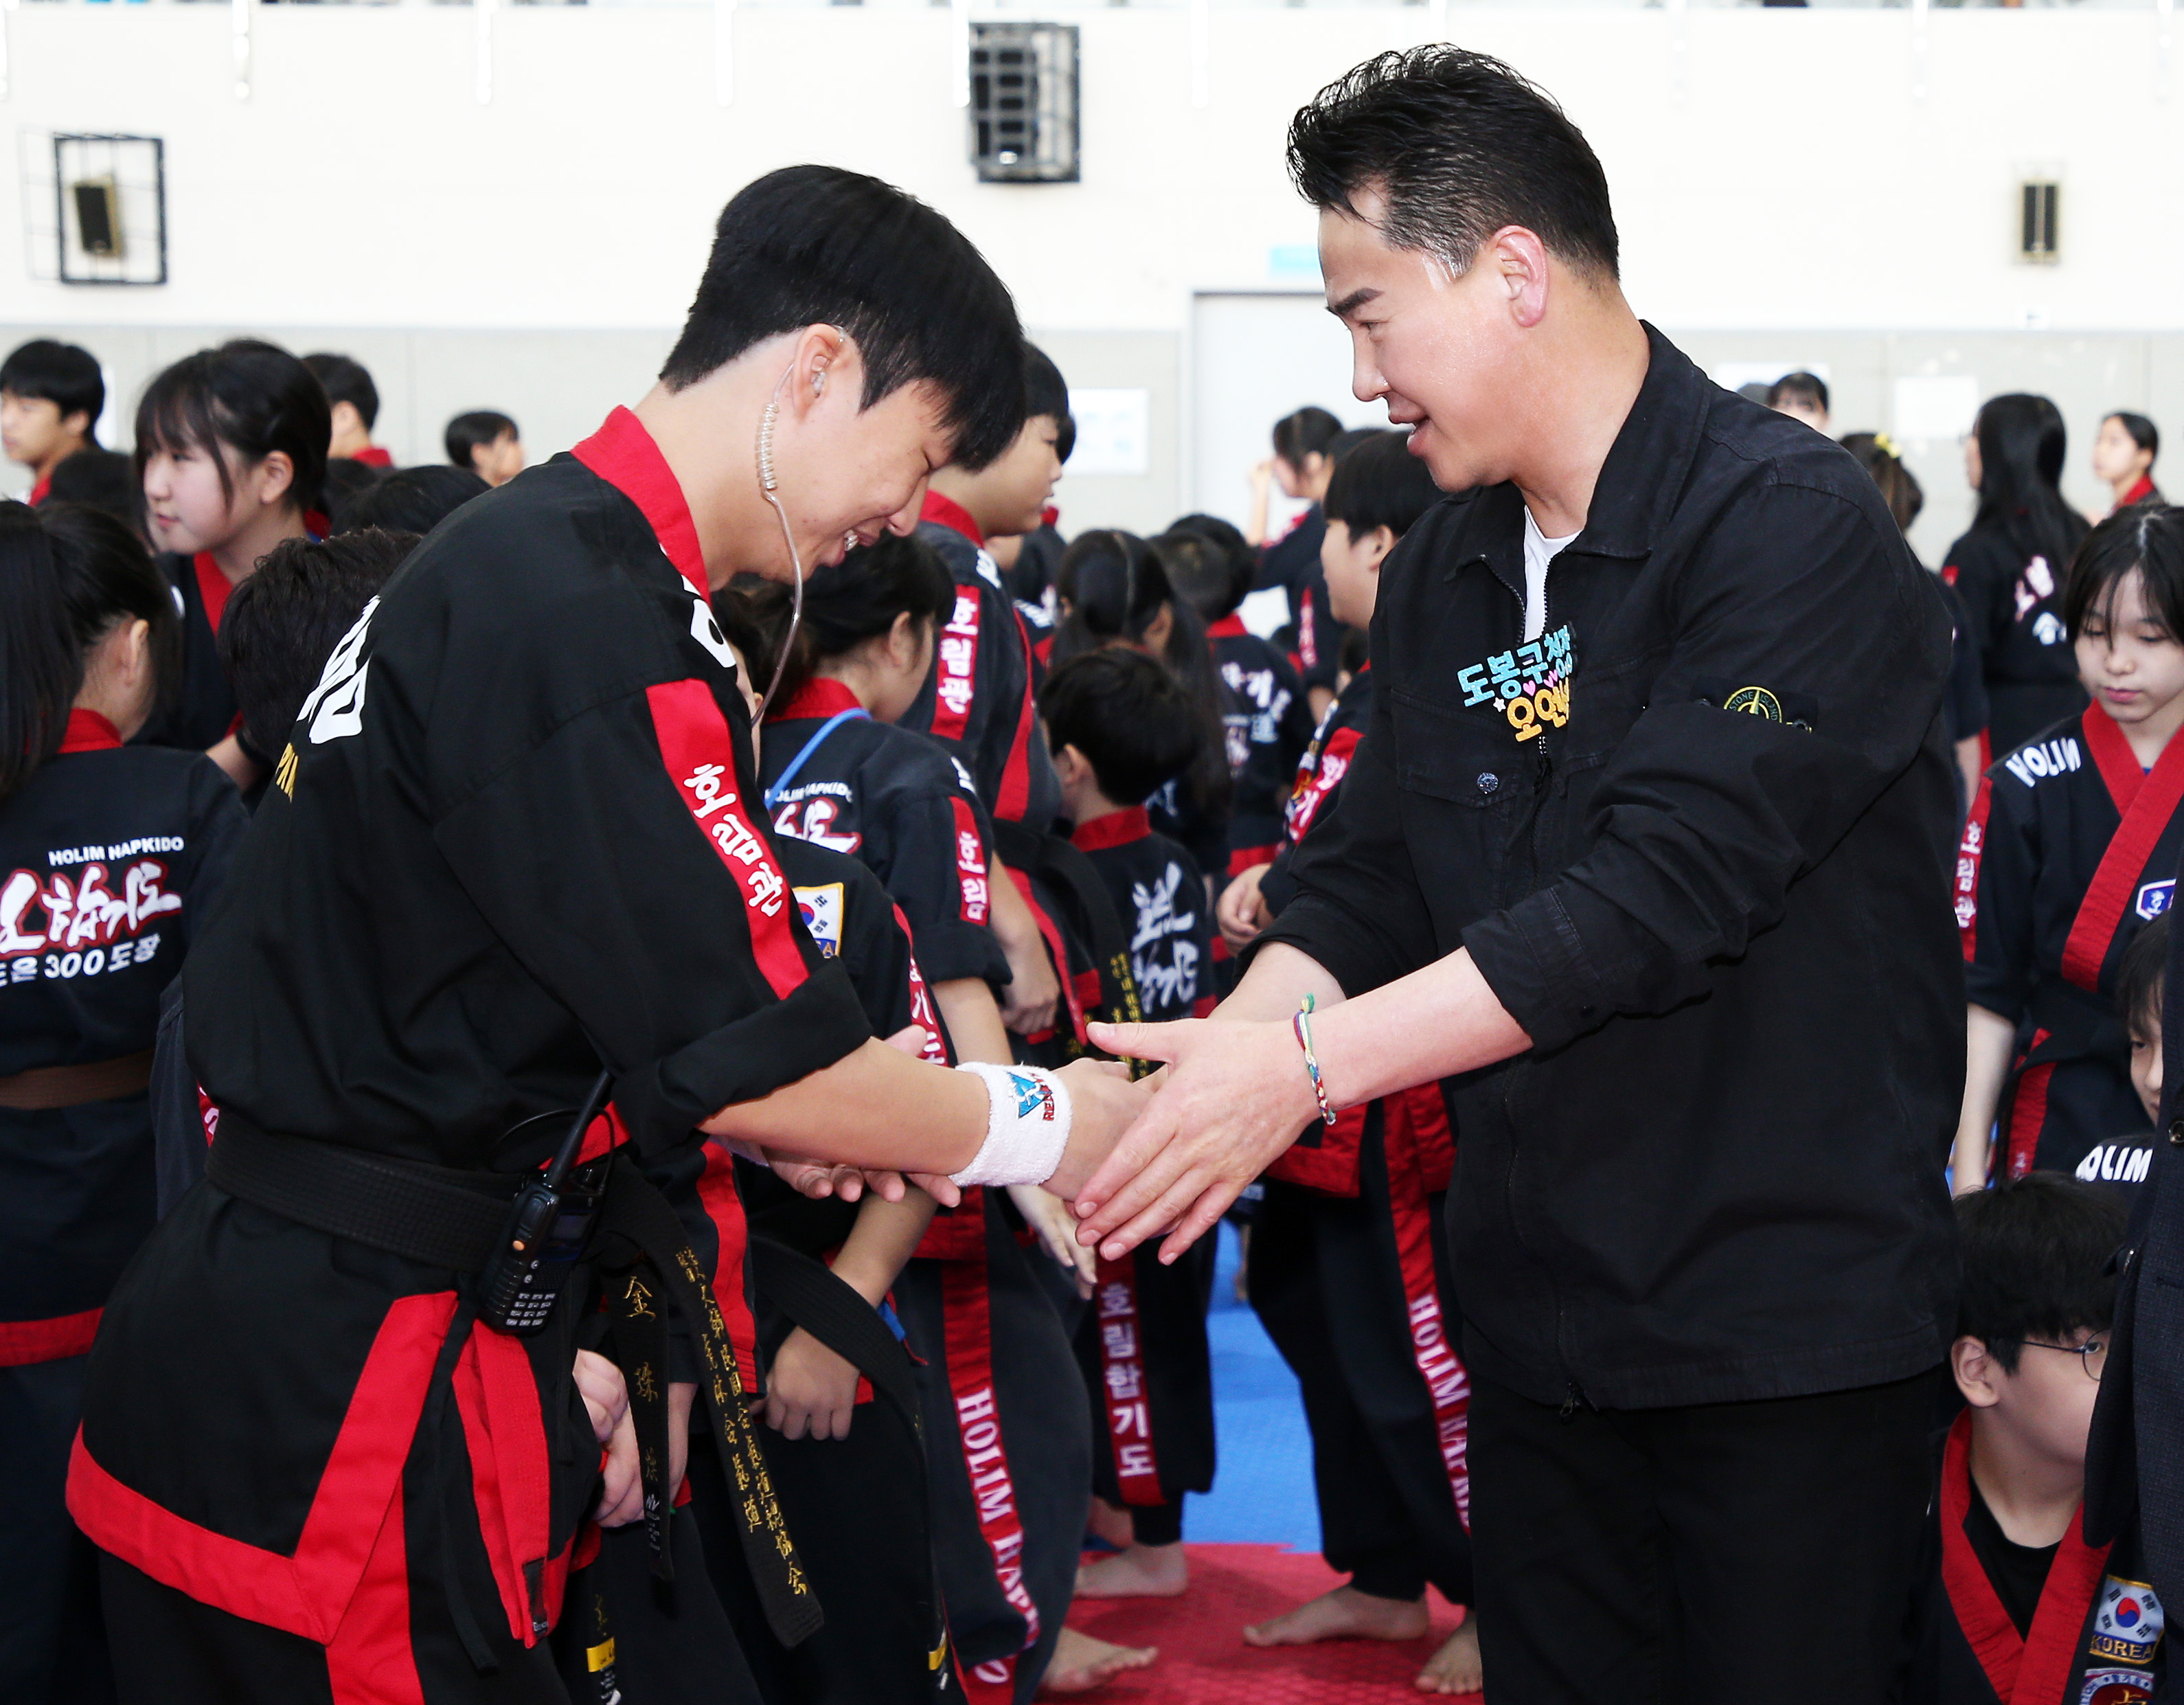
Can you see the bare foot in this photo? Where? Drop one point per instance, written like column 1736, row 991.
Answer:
column 1136, row 1571
column 1455, row 1668
column 1110, row 1523
column 1080, row 1663
column 1344, row 1614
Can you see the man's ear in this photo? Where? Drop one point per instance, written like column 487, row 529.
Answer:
column 1519, row 262
column 1978, row 1374
column 823, row 367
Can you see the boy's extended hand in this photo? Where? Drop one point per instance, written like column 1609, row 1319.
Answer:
column 809, row 1389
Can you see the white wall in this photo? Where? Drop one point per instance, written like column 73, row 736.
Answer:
column 1786, row 179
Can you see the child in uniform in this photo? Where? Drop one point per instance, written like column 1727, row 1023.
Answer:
column 230, row 457
column 51, row 395
column 486, row 443
column 1349, row 1268
column 2124, row 1161
column 353, row 404
column 1121, row 726
column 2071, row 849
column 2018, row 1607
column 110, row 854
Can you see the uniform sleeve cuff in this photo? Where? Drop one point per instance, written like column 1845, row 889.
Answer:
column 1532, row 959
column 818, row 1022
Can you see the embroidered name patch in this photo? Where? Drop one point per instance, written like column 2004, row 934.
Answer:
column 1529, row 685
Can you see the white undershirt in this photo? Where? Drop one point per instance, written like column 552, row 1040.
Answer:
column 1540, row 550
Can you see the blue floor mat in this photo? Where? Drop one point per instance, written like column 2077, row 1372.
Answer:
column 1263, row 1490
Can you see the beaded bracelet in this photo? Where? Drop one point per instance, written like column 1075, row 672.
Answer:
column 1303, row 1025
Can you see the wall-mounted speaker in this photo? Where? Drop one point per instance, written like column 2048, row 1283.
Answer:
column 1023, row 103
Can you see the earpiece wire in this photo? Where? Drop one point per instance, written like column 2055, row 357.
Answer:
column 766, row 483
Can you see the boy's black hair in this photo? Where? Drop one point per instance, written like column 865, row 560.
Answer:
column 2036, row 1254
column 1133, row 720
column 1047, row 392
column 845, row 604
column 61, row 374
column 282, row 623
column 1306, row 432
column 347, row 480
column 2146, row 537
column 1808, row 388
column 1899, row 487
column 2143, row 432
column 468, row 434
column 410, row 499
column 814, row 245
column 68, row 573
column 1202, row 573
column 2140, row 975
column 1380, row 484
column 98, row 479
column 2021, row 445
column 1459, row 145
column 346, row 380
column 250, row 395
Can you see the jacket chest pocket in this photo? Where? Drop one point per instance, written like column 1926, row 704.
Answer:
column 1475, row 760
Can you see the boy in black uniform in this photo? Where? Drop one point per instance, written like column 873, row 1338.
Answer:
column 510, row 839
column 1122, row 727
column 2071, row 849
column 2016, row 1605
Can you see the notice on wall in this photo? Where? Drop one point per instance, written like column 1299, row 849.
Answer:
column 1114, row 432
column 1935, row 405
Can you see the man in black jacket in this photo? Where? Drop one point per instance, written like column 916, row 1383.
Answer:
column 1649, row 836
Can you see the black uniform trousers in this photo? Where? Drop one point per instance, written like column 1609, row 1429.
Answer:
column 1705, row 1555
column 1387, row 1515
column 52, row 1647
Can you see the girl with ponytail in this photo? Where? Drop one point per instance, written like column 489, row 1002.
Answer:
column 109, row 855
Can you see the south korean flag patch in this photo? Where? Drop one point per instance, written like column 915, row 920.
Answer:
column 2127, row 1625
column 821, row 908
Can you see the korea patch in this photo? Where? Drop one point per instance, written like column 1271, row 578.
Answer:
column 2127, row 1626
column 2156, row 898
column 2117, row 1687
column 821, row 908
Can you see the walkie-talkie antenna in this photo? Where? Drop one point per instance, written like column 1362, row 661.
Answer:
column 573, row 1144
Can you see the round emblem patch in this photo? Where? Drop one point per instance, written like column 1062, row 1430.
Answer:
column 1754, row 701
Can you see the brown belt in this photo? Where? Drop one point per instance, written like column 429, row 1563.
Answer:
column 71, row 1086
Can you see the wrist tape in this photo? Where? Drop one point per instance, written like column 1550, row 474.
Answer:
column 1027, row 1126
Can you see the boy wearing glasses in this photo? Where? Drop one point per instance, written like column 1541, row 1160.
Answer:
column 2020, row 1607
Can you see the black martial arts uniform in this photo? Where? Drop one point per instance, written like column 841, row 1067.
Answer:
column 1699, row 1227
column 1141, row 1340
column 898, row 803
column 1350, row 1275
column 2071, row 849
column 1271, row 724
column 1292, row 563
column 2014, row 606
column 2001, row 1624
column 512, row 837
column 113, row 857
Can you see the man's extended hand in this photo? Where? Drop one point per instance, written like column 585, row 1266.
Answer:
column 1236, row 1095
column 1102, row 1101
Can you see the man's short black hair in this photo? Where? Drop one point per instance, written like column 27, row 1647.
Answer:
column 1380, row 484
column 1458, row 146
column 97, row 479
column 61, row 374
column 345, row 380
column 410, row 499
column 1310, row 431
column 2035, row 1253
column 468, row 434
column 1132, row 721
column 1808, row 388
column 282, row 623
column 814, row 245
column 2139, row 978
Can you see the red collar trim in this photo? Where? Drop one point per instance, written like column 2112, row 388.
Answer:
column 374, row 457
column 624, row 454
column 214, row 588
column 38, row 491
column 2137, row 494
column 820, row 696
column 1228, row 627
column 89, row 731
column 1116, row 830
column 951, row 513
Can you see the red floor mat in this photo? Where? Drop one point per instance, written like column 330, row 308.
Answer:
column 1203, row 1659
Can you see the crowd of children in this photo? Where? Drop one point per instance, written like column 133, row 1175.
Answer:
column 1018, row 786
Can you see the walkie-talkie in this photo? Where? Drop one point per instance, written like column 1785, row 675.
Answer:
column 549, row 1224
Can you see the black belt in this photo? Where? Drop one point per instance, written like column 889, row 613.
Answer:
column 433, row 1214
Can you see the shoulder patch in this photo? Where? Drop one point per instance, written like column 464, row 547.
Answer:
column 821, row 908
column 2127, row 1624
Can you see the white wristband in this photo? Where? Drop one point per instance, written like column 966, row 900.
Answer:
column 1027, row 1126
